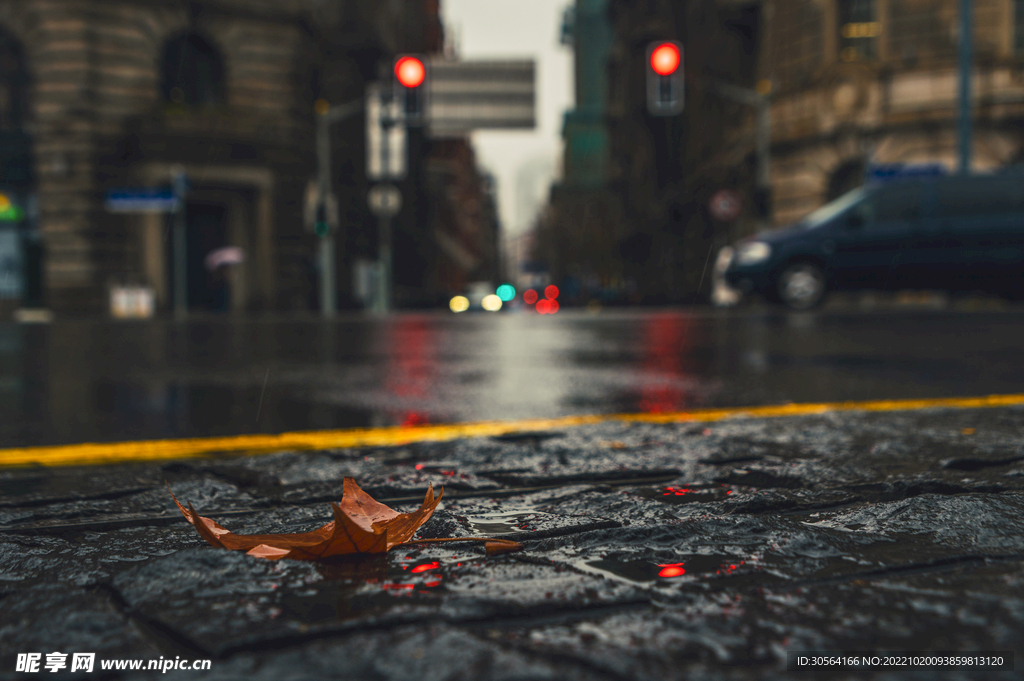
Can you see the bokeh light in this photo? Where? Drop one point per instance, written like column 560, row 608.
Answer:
column 530, row 296
column 491, row 303
column 552, row 306
column 459, row 304
column 665, row 59
column 506, row 292
column 551, row 292
column 410, row 71
column 544, row 306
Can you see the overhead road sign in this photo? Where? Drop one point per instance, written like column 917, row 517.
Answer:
column 385, row 135
column 476, row 95
column 142, row 200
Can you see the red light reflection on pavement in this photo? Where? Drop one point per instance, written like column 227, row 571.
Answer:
column 677, row 491
column 426, row 566
column 412, row 367
column 664, row 342
column 671, row 570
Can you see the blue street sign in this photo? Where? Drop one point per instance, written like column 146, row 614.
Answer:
column 141, row 200
column 894, row 171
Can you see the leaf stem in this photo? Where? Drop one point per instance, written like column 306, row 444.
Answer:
column 447, row 539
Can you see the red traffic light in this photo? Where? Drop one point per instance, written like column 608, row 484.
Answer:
column 410, row 71
column 665, row 59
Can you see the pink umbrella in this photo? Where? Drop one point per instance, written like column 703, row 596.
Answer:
column 229, row 255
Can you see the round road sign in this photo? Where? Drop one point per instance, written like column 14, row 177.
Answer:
column 385, row 200
column 725, row 205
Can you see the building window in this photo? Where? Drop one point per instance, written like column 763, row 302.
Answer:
column 859, row 29
column 192, row 72
column 1018, row 26
column 13, row 84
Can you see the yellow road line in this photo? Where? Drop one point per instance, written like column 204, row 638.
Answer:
column 154, row 450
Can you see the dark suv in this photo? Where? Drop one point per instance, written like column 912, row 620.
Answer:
column 951, row 233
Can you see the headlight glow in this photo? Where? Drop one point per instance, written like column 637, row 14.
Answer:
column 459, row 304
column 753, row 252
column 491, row 303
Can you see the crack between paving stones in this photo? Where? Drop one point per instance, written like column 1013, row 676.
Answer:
column 164, row 637
column 168, row 517
column 546, row 616
column 554, row 657
column 936, row 565
column 100, row 496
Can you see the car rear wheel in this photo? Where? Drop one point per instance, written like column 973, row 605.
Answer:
column 801, row 286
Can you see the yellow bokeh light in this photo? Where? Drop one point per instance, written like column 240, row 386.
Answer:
column 491, row 303
column 5, row 202
column 459, row 304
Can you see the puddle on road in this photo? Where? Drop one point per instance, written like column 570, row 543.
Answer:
column 359, row 588
column 504, row 522
column 685, row 494
column 645, row 571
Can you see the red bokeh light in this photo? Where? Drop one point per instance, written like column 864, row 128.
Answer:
column 552, row 306
column 410, row 71
column 544, row 306
column 530, row 296
column 665, row 59
column 551, row 292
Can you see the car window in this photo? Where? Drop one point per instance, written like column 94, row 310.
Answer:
column 897, row 203
column 979, row 196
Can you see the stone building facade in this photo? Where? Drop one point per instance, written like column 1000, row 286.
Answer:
column 664, row 170
column 859, row 82
column 121, row 93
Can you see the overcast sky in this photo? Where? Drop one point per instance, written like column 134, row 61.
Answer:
column 522, row 161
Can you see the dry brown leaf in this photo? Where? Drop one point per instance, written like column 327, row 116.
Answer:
column 361, row 526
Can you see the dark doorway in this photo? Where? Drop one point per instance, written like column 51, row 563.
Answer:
column 206, row 231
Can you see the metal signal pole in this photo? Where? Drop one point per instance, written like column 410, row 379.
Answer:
column 326, row 115
column 966, row 66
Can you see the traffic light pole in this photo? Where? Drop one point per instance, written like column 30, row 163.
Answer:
column 763, row 128
column 326, row 252
column 382, row 304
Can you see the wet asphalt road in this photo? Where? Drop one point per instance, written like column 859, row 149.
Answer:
column 652, row 552
column 76, row 381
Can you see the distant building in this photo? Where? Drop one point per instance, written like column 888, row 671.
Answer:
column 102, row 95
column 463, row 223
column 577, row 235
column 858, row 82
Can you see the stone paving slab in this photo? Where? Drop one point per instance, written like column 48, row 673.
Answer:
column 652, row 551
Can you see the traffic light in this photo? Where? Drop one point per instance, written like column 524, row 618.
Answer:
column 664, row 78
column 411, row 80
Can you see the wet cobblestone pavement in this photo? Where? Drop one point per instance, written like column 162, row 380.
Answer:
column 652, row 551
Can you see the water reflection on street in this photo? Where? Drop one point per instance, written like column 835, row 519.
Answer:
column 77, row 381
